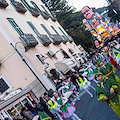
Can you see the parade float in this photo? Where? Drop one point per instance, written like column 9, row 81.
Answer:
column 101, row 30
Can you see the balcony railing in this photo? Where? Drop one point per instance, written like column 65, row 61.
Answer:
column 54, row 19
column 64, row 39
column 29, row 40
column 18, row 6
column 45, row 15
column 3, row 3
column 45, row 40
column 56, row 38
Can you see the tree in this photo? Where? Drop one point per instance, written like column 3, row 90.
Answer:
column 71, row 22
column 113, row 11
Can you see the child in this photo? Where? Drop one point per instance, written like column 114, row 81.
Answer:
column 85, row 85
column 107, row 90
column 66, row 107
column 108, row 71
column 54, row 109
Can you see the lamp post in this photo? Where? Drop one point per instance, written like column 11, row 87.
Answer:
column 24, row 60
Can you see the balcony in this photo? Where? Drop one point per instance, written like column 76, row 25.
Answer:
column 56, row 38
column 34, row 12
column 29, row 40
column 45, row 40
column 64, row 39
column 3, row 3
column 45, row 15
column 54, row 19
column 18, row 6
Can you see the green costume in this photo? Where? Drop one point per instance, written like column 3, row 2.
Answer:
column 103, row 89
column 44, row 116
column 107, row 71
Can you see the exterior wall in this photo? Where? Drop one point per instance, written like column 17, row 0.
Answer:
column 14, row 70
column 12, row 67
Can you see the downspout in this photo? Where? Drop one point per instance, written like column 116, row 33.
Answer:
column 28, row 66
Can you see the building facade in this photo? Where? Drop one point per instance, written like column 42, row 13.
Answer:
column 34, row 51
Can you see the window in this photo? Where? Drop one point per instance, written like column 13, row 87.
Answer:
column 4, row 86
column 41, row 58
column 14, row 112
column 16, row 27
column 33, row 28
column 44, row 9
column 64, row 53
column 33, row 10
column 44, row 39
column 44, row 27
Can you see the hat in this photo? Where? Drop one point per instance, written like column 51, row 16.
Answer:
column 97, row 72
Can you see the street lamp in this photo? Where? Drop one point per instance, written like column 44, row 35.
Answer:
column 26, row 48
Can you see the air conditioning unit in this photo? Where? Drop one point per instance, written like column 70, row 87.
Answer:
column 50, row 53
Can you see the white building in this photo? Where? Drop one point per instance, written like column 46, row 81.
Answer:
column 32, row 44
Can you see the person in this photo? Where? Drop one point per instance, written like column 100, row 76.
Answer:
column 66, row 107
column 85, row 85
column 107, row 90
column 7, row 118
column 74, row 78
column 31, row 108
column 45, row 107
column 28, row 114
column 112, row 57
column 58, row 84
column 53, row 107
column 108, row 71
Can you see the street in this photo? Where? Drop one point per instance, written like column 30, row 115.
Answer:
column 91, row 109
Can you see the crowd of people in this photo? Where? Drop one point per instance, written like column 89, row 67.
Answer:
column 99, row 68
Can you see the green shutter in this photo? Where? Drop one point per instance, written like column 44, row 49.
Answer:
column 55, row 30
column 46, row 29
column 26, row 4
column 64, row 33
column 44, row 9
column 36, row 6
column 16, row 27
column 33, row 28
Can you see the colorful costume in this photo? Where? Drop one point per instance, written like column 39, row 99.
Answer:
column 116, row 52
column 52, row 105
column 85, row 85
column 107, row 70
column 72, row 87
column 67, row 108
column 54, row 109
column 112, row 59
column 103, row 89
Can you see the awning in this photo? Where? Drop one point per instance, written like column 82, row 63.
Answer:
column 65, row 65
column 14, row 98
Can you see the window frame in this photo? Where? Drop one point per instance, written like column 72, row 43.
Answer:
column 9, row 89
column 42, row 62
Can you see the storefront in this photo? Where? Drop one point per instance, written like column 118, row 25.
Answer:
column 12, row 107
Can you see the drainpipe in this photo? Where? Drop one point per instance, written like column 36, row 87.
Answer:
column 29, row 67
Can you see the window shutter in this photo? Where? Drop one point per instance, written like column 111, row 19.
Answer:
column 16, row 27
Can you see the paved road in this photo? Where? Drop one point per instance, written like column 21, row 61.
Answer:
column 90, row 109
